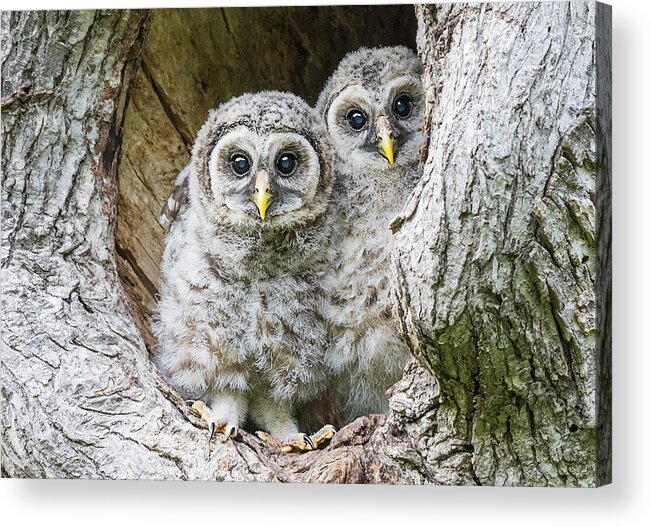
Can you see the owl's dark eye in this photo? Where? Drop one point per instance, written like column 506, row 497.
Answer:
column 403, row 105
column 356, row 119
column 286, row 163
column 240, row 164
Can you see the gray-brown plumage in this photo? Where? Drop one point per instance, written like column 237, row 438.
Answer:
column 372, row 105
column 241, row 313
column 177, row 199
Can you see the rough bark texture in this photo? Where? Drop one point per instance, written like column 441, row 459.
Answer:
column 502, row 262
column 497, row 265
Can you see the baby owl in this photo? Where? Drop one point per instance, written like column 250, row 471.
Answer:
column 372, row 105
column 241, row 323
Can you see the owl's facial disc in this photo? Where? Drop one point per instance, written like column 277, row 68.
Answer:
column 375, row 126
column 270, row 177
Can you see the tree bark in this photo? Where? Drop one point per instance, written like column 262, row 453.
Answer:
column 501, row 264
column 497, row 269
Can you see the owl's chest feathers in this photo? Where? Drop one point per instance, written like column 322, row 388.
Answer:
column 260, row 301
column 366, row 203
column 277, row 328
column 269, row 253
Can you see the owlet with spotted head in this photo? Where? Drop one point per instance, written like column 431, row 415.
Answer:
column 241, row 324
column 372, row 105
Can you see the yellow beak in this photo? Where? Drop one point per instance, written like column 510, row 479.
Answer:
column 262, row 195
column 385, row 139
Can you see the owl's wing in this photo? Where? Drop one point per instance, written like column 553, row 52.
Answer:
column 177, row 199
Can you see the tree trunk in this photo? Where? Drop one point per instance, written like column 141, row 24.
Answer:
column 502, row 262
column 497, row 264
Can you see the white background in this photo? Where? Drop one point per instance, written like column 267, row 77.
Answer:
column 625, row 502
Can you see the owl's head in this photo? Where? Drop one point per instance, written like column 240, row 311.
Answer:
column 262, row 160
column 372, row 105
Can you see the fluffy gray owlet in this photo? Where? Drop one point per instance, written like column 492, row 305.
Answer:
column 241, row 323
column 372, row 105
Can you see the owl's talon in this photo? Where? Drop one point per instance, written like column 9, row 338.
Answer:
column 262, row 435
column 213, row 426
column 269, row 439
column 201, row 408
column 324, row 434
column 300, row 442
